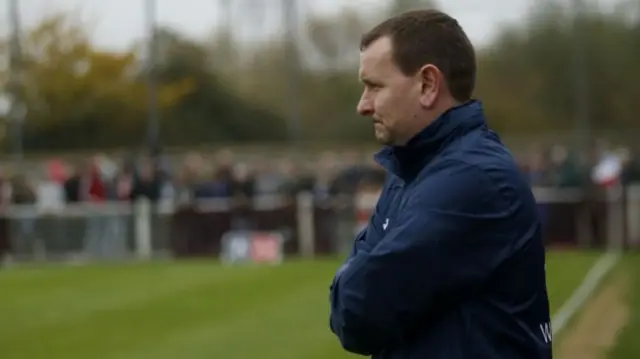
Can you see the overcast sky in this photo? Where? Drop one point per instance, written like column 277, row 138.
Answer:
column 119, row 22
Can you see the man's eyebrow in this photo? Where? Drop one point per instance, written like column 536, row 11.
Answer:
column 368, row 81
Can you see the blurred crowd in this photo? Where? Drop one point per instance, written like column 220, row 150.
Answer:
column 224, row 175
column 190, row 177
column 560, row 167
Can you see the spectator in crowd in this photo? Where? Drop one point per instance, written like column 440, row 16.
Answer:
column 349, row 176
column 242, row 183
column 93, row 188
column 119, row 189
column 146, row 184
column 72, row 186
column 188, row 178
column 327, row 168
column 5, row 190
column 289, row 184
column 608, row 168
column 57, row 171
column 22, row 193
column 631, row 168
column 307, row 178
column 21, row 190
column 86, row 185
column 268, row 180
column 538, row 168
column 123, row 181
column 217, row 186
column 565, row 169
column 242, row 195
column 93, row 192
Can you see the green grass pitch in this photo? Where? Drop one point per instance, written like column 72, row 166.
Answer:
column 194, row 310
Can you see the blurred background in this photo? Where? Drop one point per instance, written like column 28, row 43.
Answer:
column 226, row 130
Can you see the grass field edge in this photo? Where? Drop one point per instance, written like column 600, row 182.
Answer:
column 590, row 283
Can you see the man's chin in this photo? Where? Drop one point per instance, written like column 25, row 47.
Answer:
column 385, row 141
column 382, row 136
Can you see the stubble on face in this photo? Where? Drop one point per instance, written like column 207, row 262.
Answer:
column 389, row 96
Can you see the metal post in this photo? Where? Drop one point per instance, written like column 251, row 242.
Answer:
column 580, row 77
column 16, row 110
column 293, row 69
column 153, row 127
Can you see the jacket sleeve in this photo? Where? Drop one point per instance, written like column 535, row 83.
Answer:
column 429, row 256
column 353, row 253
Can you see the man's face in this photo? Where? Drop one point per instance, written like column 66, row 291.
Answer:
column 390, row 98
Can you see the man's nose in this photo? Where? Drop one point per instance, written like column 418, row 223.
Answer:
column 365, row 107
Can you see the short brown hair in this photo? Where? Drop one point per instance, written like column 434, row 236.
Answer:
column 423, row 37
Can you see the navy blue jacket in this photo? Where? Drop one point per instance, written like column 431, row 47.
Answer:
column 452, row 264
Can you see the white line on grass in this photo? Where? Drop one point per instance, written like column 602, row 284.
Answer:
column 591, row 281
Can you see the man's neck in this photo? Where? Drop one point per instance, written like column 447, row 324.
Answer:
column 430, row 117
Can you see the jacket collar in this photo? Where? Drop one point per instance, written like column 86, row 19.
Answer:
column 406, row 161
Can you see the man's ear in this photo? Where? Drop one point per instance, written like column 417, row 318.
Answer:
column 431, row 80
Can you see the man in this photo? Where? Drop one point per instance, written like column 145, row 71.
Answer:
column 451, row 264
